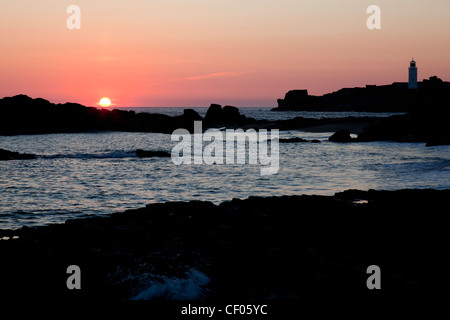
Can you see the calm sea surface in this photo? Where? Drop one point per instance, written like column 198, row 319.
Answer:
column 77, row 175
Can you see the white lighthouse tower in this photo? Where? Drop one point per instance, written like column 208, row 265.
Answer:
column 412, row 79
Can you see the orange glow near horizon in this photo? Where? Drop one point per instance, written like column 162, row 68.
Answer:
column 193, row 53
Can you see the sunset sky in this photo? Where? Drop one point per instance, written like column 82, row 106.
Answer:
column 190, row 53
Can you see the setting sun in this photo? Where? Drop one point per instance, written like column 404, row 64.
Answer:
column 105, row 102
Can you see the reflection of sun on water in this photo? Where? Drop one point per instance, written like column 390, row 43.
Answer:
column 105, row 102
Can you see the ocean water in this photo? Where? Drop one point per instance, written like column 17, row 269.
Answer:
column 266, row 114
column 84, row 174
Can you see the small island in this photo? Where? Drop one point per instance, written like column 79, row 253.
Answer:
column 396, row 97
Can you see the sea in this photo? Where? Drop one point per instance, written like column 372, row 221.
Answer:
column 79, row 175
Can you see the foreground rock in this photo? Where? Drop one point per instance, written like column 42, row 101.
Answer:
column 296, row 248
column 11, row 155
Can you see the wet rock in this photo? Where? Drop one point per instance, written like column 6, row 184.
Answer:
column 150, row 154
column 315, row 141
column 438, row 141
column 341, row 136
column 11, row 155
column 290, row 140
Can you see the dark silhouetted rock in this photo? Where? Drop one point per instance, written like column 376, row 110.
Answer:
column 11, row 155
column 315, row 141
column 231, row 112
column 302, row 248
column 428, row 124
column 232, row 115
column 290, row 140
column 228, row 115
column 214, row 113
column 438, row 141
column 191, row 115
column 24, row 115
column 150, row 154
column 395, row 97
column 341, row 136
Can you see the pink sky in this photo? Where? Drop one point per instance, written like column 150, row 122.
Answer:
column 193, row 53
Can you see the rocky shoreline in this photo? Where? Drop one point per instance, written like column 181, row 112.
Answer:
column 24, row 115
column 289, row 248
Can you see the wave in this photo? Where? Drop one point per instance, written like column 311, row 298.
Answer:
column 189, row 288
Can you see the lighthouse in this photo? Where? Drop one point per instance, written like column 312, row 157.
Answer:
column 412, row 79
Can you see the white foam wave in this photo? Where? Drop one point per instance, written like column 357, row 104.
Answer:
column 189, row 288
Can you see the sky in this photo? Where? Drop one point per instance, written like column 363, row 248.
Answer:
column 191, row 53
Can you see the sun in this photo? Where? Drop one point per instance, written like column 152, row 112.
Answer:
column 105, row 102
